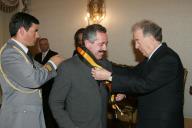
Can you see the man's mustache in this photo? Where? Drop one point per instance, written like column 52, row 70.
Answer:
column 103, row 51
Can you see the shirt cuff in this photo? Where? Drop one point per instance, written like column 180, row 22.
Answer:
column 54, row 65
column 110, row 78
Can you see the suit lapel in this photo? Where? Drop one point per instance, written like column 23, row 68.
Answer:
column 40, row 58
column 86, row 71
column 154, row 58
column 158, row 52
column 46, row 58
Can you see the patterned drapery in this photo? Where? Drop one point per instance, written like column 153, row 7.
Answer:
column 8, row 5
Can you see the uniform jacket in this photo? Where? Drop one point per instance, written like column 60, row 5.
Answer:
column 22, row 103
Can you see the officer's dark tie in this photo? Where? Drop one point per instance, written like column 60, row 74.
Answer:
column 31, row 58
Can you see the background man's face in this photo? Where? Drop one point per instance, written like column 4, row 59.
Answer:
column 80, row 38
column 44, row 45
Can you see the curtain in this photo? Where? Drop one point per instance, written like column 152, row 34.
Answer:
column 8, row 5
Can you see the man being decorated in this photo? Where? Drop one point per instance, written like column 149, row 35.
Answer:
column 76, row 99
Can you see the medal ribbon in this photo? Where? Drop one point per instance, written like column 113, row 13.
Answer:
column 91, row 61
column 87, row 57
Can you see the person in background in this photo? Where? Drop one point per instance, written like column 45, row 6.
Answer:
column 46, row 53
column 77, row 100
column 21, row 75
column 43, row 57
column 78, row 41
column 158, row 80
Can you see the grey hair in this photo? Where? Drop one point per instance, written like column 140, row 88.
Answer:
column 149, row 28
column 90, row 32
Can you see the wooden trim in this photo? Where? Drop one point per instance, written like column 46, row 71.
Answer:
column 188, row 122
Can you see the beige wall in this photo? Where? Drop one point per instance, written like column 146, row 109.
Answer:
column 1, row 28
column 4, row 24
column 59, row 21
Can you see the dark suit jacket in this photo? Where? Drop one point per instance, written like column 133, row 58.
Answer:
column 76, row 99
column 46, row 88
column 159, row 85
column 50, row 53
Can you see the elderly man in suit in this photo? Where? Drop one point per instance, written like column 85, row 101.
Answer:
column 76, row 99
column 21, row 75
column 46, row 53
column 158, row 80
column 43, row 57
